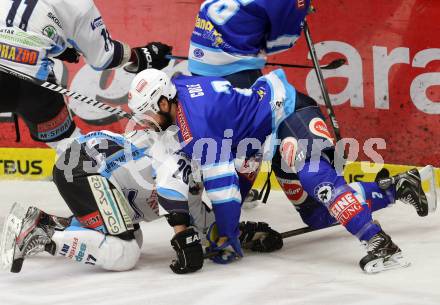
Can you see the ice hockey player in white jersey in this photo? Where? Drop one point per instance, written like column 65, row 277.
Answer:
column 111, row 183
column 32, row 32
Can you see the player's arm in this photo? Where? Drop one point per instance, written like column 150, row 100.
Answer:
column 286, row 20
column 222, row 187
column 92, row 39
column 172, row 178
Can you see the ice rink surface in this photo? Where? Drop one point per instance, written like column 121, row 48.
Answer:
column 316, row 268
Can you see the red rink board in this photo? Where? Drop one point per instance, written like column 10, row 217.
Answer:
column 389, row 89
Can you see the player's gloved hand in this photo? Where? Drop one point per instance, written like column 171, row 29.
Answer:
column 153, row 55
column 69, row 55
column 222, row 250
column 259, row 237
column 189, row 252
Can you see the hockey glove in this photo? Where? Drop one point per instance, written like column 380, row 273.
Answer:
column 259, row 237
column 189, row 252
column 153, row 55
column 69, row 55
column 222, row 251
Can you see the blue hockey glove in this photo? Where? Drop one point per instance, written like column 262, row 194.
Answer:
column 222, row 250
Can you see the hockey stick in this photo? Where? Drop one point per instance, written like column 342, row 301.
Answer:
column 61, row 90
column 325, row 95
column 284, row 235
column 331, row 66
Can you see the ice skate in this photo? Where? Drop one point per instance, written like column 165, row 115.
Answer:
column 25, row 233
column 409, row 189
column 382, row 255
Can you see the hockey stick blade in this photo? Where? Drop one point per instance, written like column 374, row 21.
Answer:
column 335, row 64
column 61, row 90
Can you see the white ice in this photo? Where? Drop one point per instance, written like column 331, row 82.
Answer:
column 316, row 268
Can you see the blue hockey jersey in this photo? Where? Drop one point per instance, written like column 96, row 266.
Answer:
column 219, row 123
column 235, row 35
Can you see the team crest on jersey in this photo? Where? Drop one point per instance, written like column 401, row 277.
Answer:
column 319, row 128
column 18, row 54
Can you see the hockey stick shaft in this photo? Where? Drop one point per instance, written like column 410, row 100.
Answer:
column 333, row 65
column 322, row 85
column 61, row 90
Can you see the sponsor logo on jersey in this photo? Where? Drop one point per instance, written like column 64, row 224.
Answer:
column 50, row 31
column 18, row 55
column 183, row 125
column 54, row 19
column 198, row 53
column 210, row 33
column 96, row 23
column 345, row 207
column 293, row 190
column 288, row 150
column 82, row 250
column 92, row 220
column 324, row 192
column 64, row 250
column 131, row 195
column 319, row 128
column 73, row 248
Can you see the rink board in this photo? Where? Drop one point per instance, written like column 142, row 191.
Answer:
column 37, row 164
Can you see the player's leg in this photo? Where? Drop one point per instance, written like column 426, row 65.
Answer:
column 102, row 230
column 46, row 114
column 312, row 156
column 100, row 233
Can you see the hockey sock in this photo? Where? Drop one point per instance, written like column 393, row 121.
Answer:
column 320, row 180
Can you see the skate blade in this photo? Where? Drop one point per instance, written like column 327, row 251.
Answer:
column 393, row 262
column 11, row 229
column 429, row 186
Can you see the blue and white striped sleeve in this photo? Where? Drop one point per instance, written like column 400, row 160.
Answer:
column 222, row 187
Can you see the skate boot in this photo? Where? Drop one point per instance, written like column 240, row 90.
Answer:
column 408, row 186
column 26, row 233
column 382, row 255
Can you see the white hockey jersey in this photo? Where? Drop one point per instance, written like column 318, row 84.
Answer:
column 142, row 167
column 32, row 31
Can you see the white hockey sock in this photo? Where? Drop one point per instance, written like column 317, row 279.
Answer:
column 94, row 248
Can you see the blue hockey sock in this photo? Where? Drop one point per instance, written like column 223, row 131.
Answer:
column 321, row 181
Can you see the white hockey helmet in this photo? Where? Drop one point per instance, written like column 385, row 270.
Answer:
column 147, row 88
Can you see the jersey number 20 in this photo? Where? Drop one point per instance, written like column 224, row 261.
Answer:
column 30, row 6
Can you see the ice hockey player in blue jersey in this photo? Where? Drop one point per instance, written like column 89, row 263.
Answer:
column 221, row 46
column 219, row 123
